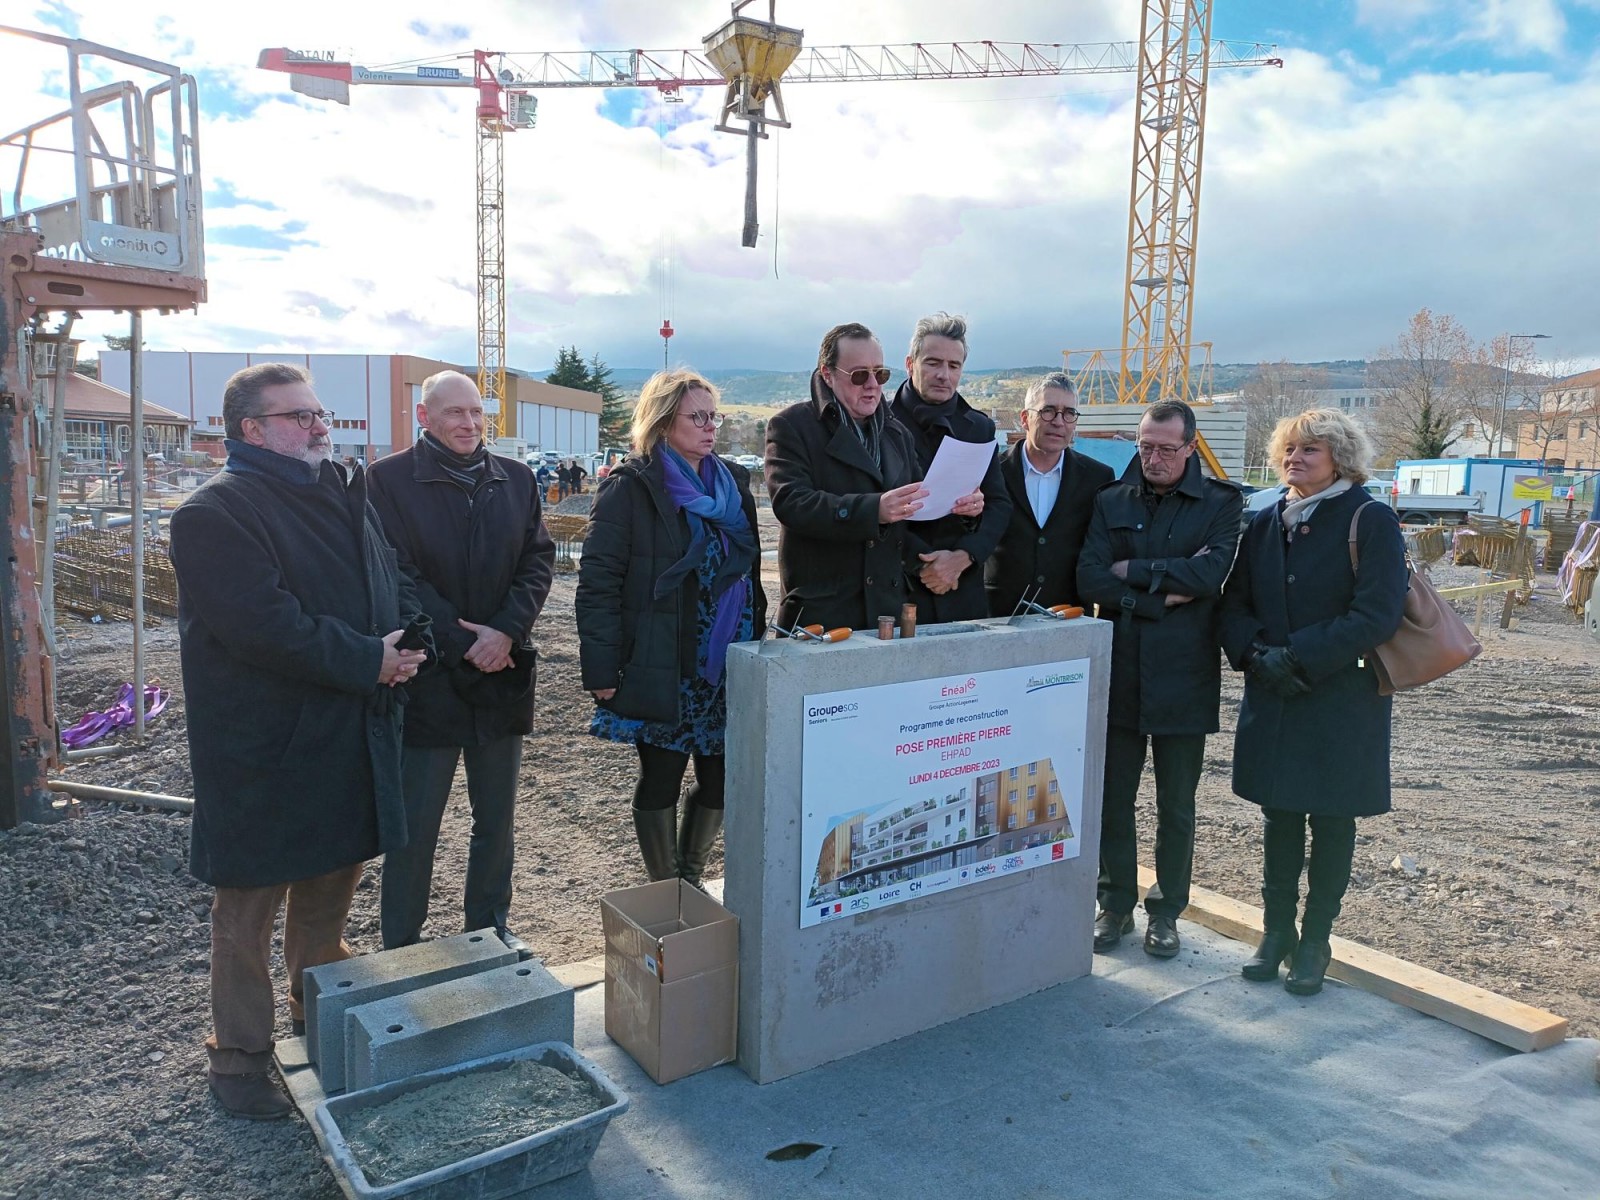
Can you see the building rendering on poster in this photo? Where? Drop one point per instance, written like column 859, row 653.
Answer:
column 937, row 784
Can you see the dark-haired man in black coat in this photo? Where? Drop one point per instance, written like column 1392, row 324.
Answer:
column 946, row 556
column 469, row 530
column 289, row 610
column 1052, row 490
column 843, row 478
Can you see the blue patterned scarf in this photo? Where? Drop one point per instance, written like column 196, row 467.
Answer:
column 710, row 497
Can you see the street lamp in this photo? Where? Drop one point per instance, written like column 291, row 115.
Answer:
column 1505, row 389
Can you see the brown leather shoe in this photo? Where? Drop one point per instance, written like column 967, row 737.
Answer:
column 253, row 1096
column 1161, row 936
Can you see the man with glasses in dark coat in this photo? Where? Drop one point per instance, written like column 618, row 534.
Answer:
column 1052, row 490
column 1159, row 547
column 290, row 609
column 469, row 530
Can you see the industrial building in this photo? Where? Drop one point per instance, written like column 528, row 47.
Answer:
column 373, row 398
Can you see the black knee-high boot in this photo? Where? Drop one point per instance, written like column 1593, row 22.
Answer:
column 696, row 836
column 1282, row 859
column 655, row 828
column 1333, row 846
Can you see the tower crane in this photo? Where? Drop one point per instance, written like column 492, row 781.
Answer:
column 745, row 56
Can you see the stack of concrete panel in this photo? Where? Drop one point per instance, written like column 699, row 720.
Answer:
column 432, row 1027
column 333, row 989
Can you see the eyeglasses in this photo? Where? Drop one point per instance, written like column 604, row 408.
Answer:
column 303, row 417
column 1051, row 413
column 860, row 375
column 1151, row 450
column 702, row 419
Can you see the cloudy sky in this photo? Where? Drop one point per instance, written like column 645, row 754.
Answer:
column 1409, row 153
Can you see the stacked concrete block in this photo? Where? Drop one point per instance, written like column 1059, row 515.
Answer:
column 333, row 989
column 488, row 1013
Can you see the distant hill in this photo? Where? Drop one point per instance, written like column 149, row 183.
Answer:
column 774, row 389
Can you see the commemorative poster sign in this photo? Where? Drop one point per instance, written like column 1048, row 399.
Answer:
column 937, row 784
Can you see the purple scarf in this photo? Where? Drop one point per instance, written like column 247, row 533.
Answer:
column 710, row 497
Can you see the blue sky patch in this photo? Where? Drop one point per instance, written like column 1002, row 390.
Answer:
column 253, row 237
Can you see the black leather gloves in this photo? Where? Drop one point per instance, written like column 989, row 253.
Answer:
column 1278, row 670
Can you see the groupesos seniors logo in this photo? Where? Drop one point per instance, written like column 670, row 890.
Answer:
column 820, row 714
column 958, row 689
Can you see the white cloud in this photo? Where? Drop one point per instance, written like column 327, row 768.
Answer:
column 1334, row 204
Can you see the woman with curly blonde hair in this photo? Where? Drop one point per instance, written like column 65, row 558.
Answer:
column 1301, row 620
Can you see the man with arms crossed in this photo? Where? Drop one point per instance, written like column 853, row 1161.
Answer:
column 1159, row 547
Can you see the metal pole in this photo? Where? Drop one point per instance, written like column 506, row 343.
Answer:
column 1500, row 410
column 90, row 791
column 52, row 502
column 752, row 139
column 136, row 456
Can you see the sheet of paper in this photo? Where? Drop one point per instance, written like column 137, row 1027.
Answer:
column 957, row 469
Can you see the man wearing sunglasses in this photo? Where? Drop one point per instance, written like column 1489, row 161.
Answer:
column 290, row 608
column 1052, row 490
column 1160, row 545
column 843, row 478
column 946, row 556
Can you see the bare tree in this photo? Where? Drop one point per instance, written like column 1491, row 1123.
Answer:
column 1275, row 391
column 1421, row 383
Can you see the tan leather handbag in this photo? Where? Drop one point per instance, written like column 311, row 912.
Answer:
column 1432, row 639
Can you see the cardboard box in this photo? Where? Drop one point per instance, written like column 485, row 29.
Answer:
column 672, row 978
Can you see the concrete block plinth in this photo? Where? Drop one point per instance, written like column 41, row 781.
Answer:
column 455, row 1022
column 912, row 829
column 332, row 989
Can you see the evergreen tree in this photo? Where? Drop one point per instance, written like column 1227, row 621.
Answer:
column 594, row 376
column 570, row 371
column 615, row 412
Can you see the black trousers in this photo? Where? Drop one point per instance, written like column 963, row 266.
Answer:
column 1179, row 758
column 1333, row 848
column 426, row 773
column 661, row 778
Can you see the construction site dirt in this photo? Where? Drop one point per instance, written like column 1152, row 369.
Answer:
column 1488, row 870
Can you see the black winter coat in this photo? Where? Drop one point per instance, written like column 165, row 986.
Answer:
column 837, row 566
column 1326, row 752
column 627, row 638
column 1046, row 558
column 285, row 591
column 485, row 558
column 1166, row 672
column 978, row 536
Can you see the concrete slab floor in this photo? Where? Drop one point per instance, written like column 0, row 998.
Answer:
column 1149, row 1078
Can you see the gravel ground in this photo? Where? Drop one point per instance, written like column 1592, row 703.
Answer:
column 104, row 938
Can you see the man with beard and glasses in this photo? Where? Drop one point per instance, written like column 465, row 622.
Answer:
column 290, row 608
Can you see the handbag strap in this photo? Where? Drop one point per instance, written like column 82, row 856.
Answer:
column 1355, row 522
column 1355, row 558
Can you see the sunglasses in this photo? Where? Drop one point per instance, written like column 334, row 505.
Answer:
column 860, row 375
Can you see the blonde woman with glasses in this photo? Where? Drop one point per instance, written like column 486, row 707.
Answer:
column 670, row 578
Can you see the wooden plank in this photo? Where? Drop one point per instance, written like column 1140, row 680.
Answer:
column 1482, row 589
column 578, row 975
column 1509, row 1022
